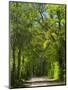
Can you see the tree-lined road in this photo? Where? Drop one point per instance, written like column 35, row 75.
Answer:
column 42, row 81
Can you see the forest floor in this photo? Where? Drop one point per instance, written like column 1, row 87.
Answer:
column 42, row 81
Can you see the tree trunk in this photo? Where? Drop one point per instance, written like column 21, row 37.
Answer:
column 13, row 68
column 61, row 75
column 23, row 56
column 59, row 21
column 61, row 66
column 14, row 59
column 19, row 62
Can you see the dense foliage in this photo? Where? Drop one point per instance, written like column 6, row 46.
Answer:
column 37, row 41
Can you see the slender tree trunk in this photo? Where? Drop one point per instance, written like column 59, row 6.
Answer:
column 61, row 66
column 22, row 60
column 23, row 56
column 59, row 24
column 61, row 75
column 14, row 59
column 13, row 68
column 33, row 70
column 19, row 62
column 59, row 21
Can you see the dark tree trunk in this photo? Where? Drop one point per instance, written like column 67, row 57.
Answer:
column 19, row 62
column 61, row 65
column 13, row 68
column 59, row 21
column 32, row 70
column 14, row 59
column 23, row 56
column 61, row 75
